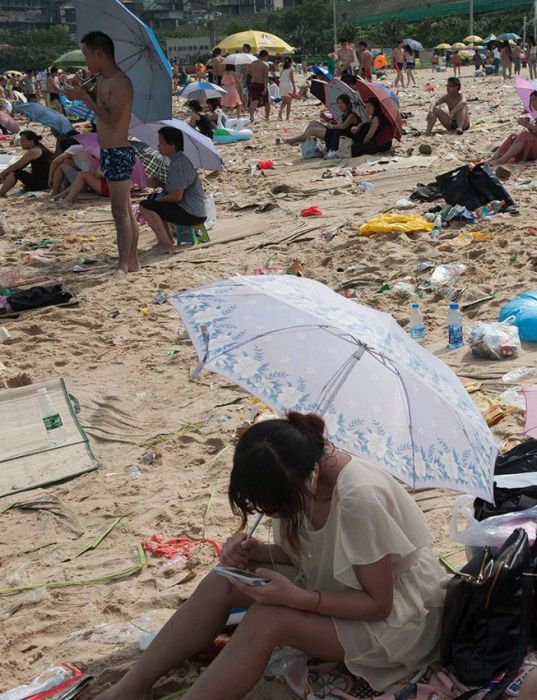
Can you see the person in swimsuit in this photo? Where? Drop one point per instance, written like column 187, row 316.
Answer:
column 398, row 62
column 457, row 118
column 54, row 89
column 198, row 119
column 410, row 65
column 346, row 57
column 521, row 147
column 352, row 577
column 38, row 157
column 259, row 72
column 112, row 105
column 366, row 61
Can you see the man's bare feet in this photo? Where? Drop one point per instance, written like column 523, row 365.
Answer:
column 119, row 274
column 65, row 203
column 158, row 249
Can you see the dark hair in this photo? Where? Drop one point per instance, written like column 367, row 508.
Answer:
column 53, row 69
column 99, row 41
column 362, row 43
column 214, row 102
column 531, row 40
column 287, row 62
column 216, row 52
column 31, row 136
column 349, row 79
column 230, row 66
column 408, row 49
column 376, row 104
column 344, row 98
column 272, row 462
column 195, row 106
column 454, row 82
column 263, row 53
column 67, row 142
column 343, row 41
column 247, row 46
column 173, row 137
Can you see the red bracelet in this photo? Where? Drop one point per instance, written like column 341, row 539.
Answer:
column 319, row 599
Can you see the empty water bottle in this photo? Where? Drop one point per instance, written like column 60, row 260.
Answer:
column 455, row 337
column 417, row 326
column 52, row 420
column 437, row 228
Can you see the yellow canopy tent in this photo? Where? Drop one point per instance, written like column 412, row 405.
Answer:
column 443, row 46
column 458, row 46
column 257, row 41
column 473, row 39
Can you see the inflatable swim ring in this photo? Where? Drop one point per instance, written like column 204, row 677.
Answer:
column 231, row 135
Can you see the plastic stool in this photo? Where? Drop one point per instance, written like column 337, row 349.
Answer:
column 191, row 235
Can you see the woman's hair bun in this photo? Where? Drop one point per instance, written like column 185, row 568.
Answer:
column 309, row 423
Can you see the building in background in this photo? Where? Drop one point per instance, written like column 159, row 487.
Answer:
column 188, row 50
column 29, row 14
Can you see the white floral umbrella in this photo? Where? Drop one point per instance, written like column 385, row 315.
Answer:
column 296, row 344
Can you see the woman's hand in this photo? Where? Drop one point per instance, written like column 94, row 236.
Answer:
column 280, row 591
column 355, row 129
column 237, row 550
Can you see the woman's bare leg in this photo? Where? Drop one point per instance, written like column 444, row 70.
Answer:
column 514, row 151
column 8, row 184
column 240, row 665
column 311, row 132
column 190, row 630
column 161, row 229
column 288, row 107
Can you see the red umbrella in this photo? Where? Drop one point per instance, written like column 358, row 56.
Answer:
column 387, row 105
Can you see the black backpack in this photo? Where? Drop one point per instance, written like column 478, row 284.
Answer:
column 488, row 614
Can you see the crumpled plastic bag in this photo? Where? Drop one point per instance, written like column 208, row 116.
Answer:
column 395, row 223
column 494, row 341
column 311, row 211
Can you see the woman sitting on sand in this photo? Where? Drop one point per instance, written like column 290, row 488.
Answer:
column 369, row 592
column 374, row 136
column 183, row 198
column 519, row 147
column 330, row 133
column 37, row 156
column 198, row 119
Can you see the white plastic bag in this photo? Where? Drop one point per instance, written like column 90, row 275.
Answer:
column 494, row 340
column 210, row 211
column 446, row 275
column 493, row 531
column 310, row 149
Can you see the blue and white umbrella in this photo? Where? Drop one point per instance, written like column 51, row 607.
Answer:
column 414, row 45
column 199, row 149
column 390, row 92
column 137, row 53
column 297, row 345
column 37, row 112
column 201, row 91
column 81, row 111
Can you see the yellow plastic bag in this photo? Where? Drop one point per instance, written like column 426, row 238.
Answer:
column 395, row 223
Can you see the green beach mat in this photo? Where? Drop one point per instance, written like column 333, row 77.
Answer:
column 26, row 458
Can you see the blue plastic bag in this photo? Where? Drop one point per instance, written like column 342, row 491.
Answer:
column 523, row 310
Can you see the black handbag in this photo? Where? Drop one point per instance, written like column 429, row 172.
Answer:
column 472, row 187
column 488, row 614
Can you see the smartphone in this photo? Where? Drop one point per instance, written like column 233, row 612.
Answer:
column 247, row 577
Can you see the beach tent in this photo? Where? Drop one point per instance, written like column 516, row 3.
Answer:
column 71, row 59
column 257, row 40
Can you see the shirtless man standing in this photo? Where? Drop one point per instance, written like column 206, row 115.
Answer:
column 398, row 62
column 366, row 61
column 259, row 72
column 112, row 105
column 457, row 118
column 345, row 57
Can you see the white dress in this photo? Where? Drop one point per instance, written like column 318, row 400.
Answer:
column 371, row 515
column 286, row 87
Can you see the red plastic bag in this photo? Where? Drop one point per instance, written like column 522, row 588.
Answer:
column 265, row 165
column 311, row 211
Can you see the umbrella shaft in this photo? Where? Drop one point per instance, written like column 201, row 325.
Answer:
column 98, row 75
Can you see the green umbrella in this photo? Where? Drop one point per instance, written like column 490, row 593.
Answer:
column 71, row 59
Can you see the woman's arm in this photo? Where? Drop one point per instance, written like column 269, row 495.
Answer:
column 373, row 128
column 28, row 157
column 292, row 78
column 349, row 121
column 269, row 553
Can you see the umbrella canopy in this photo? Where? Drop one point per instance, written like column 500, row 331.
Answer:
column 79, row 110
column 8, row 123
column 90, row 143
column 390, row 92
column 458, row 46
column 14, row 73
column 473, row 39
column 389, row 108
column 257, row 40
column 155, row 165
column 199, row 149
column 137, row 52
column 489, row 38
column 317, row 89
column 525, row 89
column 508, row 36
column 71, row 59
column 201, row 91
column 443, row 46
column 414, row 45
column 335, row 89
column 296, row 344
column 239, row 59
column 37, row 112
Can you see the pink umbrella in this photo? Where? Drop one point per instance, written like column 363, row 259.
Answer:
column 8, row 123
column 387, row 104
column 91, row 145
column 525, row 89
column 530, row 394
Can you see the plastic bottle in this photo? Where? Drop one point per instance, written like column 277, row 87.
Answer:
column 455, row 337
column 52, row 419
column 437, row 228
column 417, row 326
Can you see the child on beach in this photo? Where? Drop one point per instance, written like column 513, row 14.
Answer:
column 370, row 593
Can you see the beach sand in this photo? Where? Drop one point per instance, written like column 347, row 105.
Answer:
column 127, row 361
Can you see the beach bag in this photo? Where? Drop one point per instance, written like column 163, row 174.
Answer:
column 345, row 145
column 518, row 460
column 488, row 614
column 472, row 187
column 310, row 149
